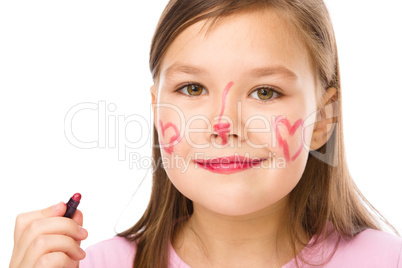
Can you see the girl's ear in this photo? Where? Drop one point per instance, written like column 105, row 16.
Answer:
column 154, row 96
column 325, row 120
column 154, row 92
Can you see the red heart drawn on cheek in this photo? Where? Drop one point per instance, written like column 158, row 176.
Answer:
column 169, row 148
column 291, row 129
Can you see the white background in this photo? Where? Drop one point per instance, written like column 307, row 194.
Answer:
column 57, row 54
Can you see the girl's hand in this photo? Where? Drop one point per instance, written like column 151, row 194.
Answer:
column 44, row 238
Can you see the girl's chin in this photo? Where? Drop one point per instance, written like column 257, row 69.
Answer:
column 241, row 205
column 236, row 210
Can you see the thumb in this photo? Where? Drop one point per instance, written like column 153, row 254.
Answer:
column 55, row 211
column 78, row 217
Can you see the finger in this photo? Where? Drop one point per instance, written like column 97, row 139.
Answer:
column 52, row 243
column 24, row 219
column 55, row 225
column 79, row 219
column 56, row 259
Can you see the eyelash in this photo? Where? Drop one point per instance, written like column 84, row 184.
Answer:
column 187, row 85
column 270, row 88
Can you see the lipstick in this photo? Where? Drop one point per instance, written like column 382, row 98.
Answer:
column 229, row 164
column 72, row 205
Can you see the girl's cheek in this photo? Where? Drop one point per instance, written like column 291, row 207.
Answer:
column 258, row 132
column 283, row 137
column 169, row 125
column 169, row 135
column 289, row 135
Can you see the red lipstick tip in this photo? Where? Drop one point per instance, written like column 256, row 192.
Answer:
column 76, row 197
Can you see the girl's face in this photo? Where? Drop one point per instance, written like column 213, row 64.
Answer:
column 244, row 89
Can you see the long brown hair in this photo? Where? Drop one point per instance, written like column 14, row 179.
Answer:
column 325, row 193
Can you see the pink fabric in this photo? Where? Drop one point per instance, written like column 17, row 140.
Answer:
column 370, row 248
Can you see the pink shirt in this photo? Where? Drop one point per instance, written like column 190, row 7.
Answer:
column 370, row 248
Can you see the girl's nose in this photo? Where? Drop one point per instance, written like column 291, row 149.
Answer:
column 225, row 123
column 224, row 136
column 226, row 129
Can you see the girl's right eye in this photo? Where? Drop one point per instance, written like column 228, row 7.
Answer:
column 191, row 90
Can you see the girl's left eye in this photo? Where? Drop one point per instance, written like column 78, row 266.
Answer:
column 265, row 93
column 192, row 90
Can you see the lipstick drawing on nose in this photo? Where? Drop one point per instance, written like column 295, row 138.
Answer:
column 223, row 128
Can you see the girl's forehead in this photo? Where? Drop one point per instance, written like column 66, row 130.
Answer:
column 239, row 42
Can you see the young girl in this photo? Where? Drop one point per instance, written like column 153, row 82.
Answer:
column 248, row 94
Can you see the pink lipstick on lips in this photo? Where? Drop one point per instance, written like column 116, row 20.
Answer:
column 228, row 165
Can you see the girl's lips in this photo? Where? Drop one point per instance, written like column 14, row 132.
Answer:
column 228, row 165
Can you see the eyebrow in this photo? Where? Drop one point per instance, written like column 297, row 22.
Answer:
column 187, row 69
column 258, row 72
column 278, row 70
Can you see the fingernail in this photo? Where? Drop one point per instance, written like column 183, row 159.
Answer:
column 82, row 252
column 82, row 230
column 57, row 206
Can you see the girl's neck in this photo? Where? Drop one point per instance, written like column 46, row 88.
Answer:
column 255, row 240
